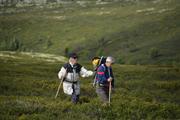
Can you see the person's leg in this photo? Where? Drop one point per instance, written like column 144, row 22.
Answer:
column 74, row 97
column 101, row 92
column 106, row 89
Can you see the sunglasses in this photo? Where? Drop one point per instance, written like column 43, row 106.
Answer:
column 74, row 57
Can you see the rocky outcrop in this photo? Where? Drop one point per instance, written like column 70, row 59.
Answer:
column 14, row 2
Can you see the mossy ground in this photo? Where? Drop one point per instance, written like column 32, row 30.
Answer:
column 28, row 86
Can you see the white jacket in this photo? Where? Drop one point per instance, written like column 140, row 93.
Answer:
column 73, row 77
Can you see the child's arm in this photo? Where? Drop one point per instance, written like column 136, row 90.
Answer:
column 62, row 73
column 85, row 73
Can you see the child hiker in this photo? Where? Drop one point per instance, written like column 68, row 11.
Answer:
column 71, row 72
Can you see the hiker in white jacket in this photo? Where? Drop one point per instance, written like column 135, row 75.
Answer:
column 71, row 72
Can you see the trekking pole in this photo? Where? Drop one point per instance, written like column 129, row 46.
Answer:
column 109, row 93
column 60, row 85
column 59, row 88
column 110, row 88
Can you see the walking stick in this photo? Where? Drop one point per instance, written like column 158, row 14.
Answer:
column 58, row 88
column 110, row 93
column 60, row 85
column 110, row 87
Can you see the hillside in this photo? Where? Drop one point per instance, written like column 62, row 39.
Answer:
column 28, row 84
column 135, row 32
column 142, row 35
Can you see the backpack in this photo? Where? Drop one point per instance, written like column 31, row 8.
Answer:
column 97, row 61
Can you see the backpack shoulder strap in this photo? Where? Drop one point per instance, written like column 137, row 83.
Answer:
column 104, row 67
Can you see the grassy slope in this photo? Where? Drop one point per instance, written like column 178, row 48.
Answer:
column 142, row 92
column 128, row 33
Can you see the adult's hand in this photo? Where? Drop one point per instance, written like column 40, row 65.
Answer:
column 109, row 79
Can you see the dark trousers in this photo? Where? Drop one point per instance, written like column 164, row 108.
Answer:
column 74, row 97
column 103, row 93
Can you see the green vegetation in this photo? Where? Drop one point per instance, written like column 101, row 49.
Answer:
column 140, row 32
column 28, row 86
column 128, row 30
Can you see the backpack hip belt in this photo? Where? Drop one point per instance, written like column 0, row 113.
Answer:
column 102, row 85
